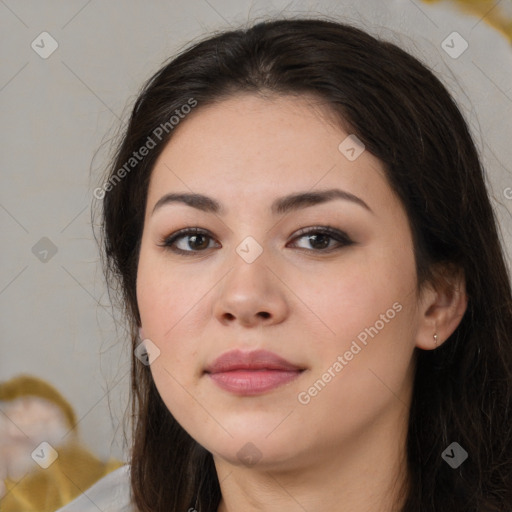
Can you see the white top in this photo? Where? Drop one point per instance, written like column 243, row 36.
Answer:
column 109, row 494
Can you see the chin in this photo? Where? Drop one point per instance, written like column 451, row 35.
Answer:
column 255, row 448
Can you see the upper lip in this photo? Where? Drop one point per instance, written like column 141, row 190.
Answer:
column 255, row 360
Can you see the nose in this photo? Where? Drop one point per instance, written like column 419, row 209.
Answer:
column 251, row 294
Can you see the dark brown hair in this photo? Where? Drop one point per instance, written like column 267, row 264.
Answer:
column 407, row 119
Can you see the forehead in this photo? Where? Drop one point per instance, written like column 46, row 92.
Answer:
column 261, row 117
column 246, row 147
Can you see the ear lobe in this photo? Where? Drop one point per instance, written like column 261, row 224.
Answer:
column 441, row 310
column 141, row 334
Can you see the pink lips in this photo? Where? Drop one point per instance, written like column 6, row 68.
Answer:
column 251, row 373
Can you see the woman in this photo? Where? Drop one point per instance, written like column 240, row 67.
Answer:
column 321, row 314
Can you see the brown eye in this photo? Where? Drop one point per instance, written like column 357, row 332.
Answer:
column 192, row 240
column 320, row 238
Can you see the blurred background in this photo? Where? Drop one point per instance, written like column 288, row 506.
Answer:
column 69, row 76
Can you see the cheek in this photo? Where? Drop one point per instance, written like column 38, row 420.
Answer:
column 168, row 302
column 364, row 368
column 164, row 297
column 163, row 304
column 352, row 296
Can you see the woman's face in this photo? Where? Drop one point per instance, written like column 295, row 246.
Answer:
column 341, row 308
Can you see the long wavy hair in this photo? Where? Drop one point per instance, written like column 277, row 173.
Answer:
column 406, row 118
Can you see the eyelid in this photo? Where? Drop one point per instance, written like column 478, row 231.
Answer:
column 325, row 229
column 334, row 233
column 166, row 241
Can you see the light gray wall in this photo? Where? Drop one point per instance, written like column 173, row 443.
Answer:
column 56, row 111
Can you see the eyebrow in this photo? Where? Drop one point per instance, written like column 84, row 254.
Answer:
column 280, row 206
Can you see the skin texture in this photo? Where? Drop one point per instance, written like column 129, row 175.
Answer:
column 346, row 446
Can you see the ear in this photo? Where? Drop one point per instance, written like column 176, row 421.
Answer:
column 441, row 307
column 141, row 333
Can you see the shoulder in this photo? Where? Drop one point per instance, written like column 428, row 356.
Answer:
column 110, row 494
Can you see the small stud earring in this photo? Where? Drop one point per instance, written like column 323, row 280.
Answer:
column 435, row 339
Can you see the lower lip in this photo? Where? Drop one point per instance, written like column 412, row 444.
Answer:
column 253, row 382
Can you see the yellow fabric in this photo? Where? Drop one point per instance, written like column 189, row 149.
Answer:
column 490, row 10
column 46, row 490
column 74, row 470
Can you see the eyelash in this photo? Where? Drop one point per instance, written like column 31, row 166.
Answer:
column 333, row 233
